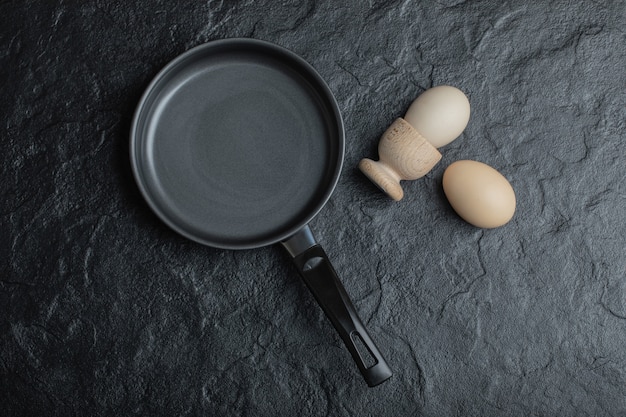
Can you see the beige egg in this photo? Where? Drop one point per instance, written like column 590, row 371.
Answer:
column 479, row 193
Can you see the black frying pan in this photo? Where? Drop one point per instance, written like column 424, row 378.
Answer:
column 238, row 144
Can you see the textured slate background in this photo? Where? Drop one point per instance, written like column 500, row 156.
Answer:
column 105, row 310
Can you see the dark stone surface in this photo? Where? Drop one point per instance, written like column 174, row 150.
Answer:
column 106, row 311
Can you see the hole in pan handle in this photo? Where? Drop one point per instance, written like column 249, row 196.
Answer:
column 321, row 279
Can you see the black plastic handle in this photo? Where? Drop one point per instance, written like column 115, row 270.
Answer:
column 321, row 278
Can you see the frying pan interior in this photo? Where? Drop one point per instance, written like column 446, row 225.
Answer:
column 237, row 144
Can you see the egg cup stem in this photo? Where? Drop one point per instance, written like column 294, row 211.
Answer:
column 404, row 155
column 383, row 177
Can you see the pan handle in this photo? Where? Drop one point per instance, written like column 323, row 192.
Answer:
column 321, row 278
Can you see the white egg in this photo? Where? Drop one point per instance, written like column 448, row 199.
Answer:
column 440, row 114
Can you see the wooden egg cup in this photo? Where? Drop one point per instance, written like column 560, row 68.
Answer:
column 404, row 155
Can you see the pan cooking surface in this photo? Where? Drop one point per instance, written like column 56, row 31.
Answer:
column 237, row 145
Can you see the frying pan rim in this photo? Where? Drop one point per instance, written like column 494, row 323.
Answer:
column 264, row 46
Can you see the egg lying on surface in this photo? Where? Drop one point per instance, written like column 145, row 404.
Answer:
column 479, row 193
